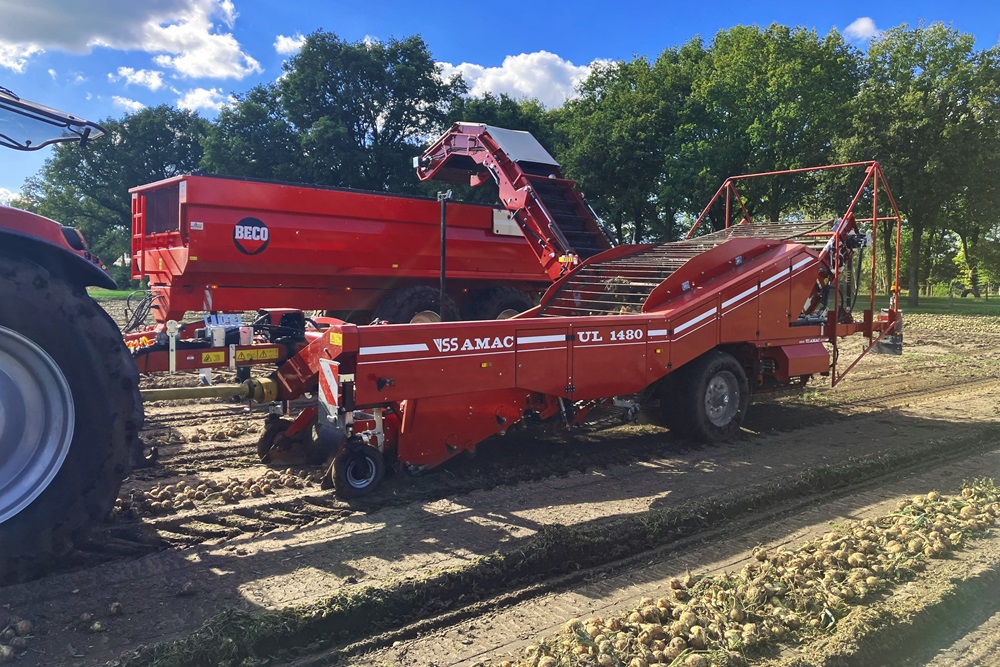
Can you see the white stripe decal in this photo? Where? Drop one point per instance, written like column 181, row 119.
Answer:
column 690, row 323
column 657, row 332
column 393, row 349
column 540, row 349
column 775, row 277
column 521, row 340
column 696, row 329
column 593, row 345
column 729, row 302
column 480, row 355
column 805, row 261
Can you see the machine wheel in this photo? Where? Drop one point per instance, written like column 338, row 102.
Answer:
column 357, row 470
column 415, row 304
column 500, row 303
column 708, row 399
column 70, row 414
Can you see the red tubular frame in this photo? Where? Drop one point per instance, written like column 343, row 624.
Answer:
column 874, row 179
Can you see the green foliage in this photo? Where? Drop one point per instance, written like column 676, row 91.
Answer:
column 765, row 100
column 613, row 145
column 253, row 138
column 918, row 112
column 361, row 110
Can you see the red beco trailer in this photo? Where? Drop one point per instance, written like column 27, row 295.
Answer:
column 209, row 243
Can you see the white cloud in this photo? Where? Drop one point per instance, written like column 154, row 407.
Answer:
column 15, row 56
column 5, row 196
column 204, row 98
column 147, row 78
column 540, row 75
column 182, row 33
column 861, row 30
column 286, row 46
column 126, row 104
column 52, row 74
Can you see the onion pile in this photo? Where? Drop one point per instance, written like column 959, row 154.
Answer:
column 782, row 594
column 170, row 498
column 219, row 433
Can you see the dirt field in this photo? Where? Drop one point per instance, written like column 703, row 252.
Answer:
column 481, row 558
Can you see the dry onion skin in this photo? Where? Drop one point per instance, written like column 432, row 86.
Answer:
column 780, row 596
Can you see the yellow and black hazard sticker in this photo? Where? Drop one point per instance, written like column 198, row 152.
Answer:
column 266, row 354
column 336, row 338
column 213, row 357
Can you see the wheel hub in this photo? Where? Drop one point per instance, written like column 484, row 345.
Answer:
column 360, row 473
column 36, row 421
column 722, row 398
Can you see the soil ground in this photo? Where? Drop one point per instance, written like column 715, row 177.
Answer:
column 896, row 426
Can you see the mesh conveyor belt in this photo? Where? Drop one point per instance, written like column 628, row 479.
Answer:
column 621, row 286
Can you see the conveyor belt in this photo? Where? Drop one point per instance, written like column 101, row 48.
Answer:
column 621, row 286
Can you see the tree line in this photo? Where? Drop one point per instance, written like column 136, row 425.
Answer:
column 648, row 141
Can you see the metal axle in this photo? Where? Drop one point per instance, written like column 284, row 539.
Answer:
column 260, row 390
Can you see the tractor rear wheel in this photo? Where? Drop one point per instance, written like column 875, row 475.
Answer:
column 70, row 415
column 707, row 398
column 415, row 304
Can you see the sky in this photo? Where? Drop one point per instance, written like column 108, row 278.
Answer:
column 104, row 58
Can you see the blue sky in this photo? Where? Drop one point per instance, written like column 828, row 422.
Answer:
column 102, row 58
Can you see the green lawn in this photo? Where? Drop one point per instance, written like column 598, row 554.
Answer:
column 109, row 294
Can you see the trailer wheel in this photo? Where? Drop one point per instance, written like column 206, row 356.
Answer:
column 416, row 304
column 70, row 415
column 500, row 303
column 709, row 398
column 357, row 469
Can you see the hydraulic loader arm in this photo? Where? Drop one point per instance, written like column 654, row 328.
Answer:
column 556, row 220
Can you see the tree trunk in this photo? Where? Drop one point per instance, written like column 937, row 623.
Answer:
column 888, row 236
column 917, row 229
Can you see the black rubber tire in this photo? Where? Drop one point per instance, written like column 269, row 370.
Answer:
column 87, row 346
column 683, row 397
column 346, row 470
column 491, row 303
column 402, row 304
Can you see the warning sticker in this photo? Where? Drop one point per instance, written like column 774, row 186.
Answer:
column 336, row 338
column 257, row 355
column 213, row 357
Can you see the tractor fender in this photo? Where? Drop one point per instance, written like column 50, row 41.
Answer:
column 50, row 244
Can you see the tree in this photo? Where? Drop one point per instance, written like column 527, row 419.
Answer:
column 612, row 145
column 253, row 138
column 765, row 100
column 87, row 186
column 913, row 113
column 362, row 110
